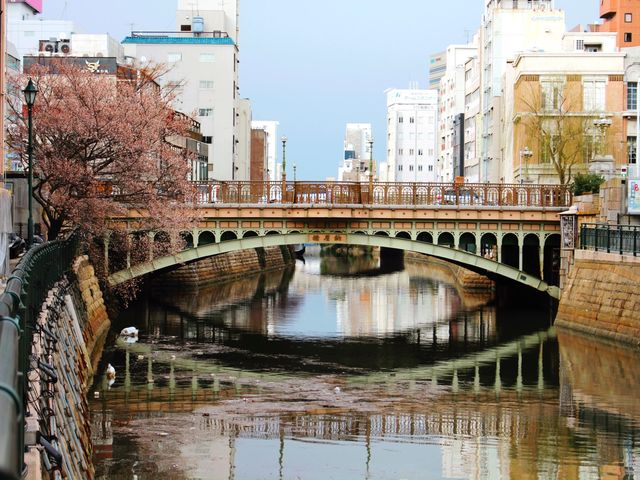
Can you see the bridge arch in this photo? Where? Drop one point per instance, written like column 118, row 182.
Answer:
column 206, row 237
column 405, row 235
column 446, row 253
column 425, row 237
column 228, row 235
column 446, row 239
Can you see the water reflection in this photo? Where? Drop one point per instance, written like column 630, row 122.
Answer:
column 303, row 375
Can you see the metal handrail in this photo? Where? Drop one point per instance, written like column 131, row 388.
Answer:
column 622, row 239
column 384, row 194
column 25, row 292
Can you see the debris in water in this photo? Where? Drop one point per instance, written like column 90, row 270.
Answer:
column 129, row 332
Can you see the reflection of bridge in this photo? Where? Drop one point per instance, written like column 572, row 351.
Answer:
column 505, row 231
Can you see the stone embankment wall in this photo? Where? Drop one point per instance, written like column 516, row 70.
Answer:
column 67, row 345
column 227, row 267
column 475, row 290
column 601, row 296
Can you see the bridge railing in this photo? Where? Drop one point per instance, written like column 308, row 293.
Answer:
column 25, row 292
column 384, row 194
column 622, row 239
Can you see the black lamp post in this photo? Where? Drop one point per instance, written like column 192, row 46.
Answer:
column 30, row 93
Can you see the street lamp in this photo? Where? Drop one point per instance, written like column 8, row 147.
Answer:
column 527, row 154
column 30, row 93
column 284, row 159
column 294, row 172
column 371, row 168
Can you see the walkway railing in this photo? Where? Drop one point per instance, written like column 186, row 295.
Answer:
column 622, row 239
column 385, row 194
column 26, row 290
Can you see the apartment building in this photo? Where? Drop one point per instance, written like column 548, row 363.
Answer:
column 411, row 135
column 202, row 56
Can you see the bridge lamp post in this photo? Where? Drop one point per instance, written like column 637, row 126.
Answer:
column 371, row 168
column 284, row 167
column 30, row 93
column 527, row 154
column 294, row 172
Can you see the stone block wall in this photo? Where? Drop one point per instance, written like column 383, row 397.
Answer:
column 96, row 320
column 68, row 340
column 601, row 296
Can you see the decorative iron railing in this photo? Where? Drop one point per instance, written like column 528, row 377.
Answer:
column 622, row 239
column 384, row 194
column 25, row 292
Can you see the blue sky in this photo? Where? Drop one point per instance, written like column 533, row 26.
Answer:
column 315, row 66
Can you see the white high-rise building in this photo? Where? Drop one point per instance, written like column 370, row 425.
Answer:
column 202, row 56
column 357, row 155
column 509, row 27
column 472, row 121
column 451, row 107
column 271, row 128
column 411, row 135
column 25, row 29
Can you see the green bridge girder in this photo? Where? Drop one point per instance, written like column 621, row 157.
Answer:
column 460, row 257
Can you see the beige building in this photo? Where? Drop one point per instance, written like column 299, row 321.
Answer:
column 563, row 114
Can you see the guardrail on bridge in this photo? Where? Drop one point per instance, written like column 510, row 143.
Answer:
column 384, row 194
column 26, row 290
column 622, row 239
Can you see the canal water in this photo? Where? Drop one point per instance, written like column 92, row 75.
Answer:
column 335, row 370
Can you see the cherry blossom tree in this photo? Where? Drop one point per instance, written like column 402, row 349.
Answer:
column 104, row 148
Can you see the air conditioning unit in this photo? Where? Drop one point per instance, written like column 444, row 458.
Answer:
column 48, row 47
column 64, row 47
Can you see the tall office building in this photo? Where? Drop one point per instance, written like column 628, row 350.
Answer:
column 271, row 130
column 451, row 106
column 437, row 68
column 203, row 58
column 411, row 135
column 623, row 18
column 508, row 28
column 357, row 156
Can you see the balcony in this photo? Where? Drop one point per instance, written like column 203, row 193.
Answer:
column 608, row 9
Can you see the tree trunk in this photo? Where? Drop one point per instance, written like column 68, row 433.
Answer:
column 54, row 229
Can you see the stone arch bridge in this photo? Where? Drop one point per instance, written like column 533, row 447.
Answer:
column 512, row 233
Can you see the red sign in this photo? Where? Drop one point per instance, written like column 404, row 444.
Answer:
column 35, row 4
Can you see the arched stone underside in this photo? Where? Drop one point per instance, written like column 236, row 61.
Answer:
column 460, row 257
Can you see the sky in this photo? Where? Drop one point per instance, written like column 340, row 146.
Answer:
column 315, row 66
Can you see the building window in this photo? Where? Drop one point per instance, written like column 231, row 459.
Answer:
column 206, row 84
column 399, row 168
column 400, row 119
column 207, row 139
column 594, row 95
column 628, row 37
column 207, row 58
column 420, row 152
column 628, row 18
column 632, row 95
column 580, row 45
column 412, row 120
column 205, row 112
column 431, row 168
column 174, row 57
column 419, row 168
column 551, row 95
column 400, row 151
column 412, row 151
column 631, row 150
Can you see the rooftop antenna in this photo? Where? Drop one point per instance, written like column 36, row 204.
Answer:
column 64, row 9
column 466, row 34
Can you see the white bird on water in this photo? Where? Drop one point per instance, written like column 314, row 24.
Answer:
column 129, row 332
column 111, row 375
